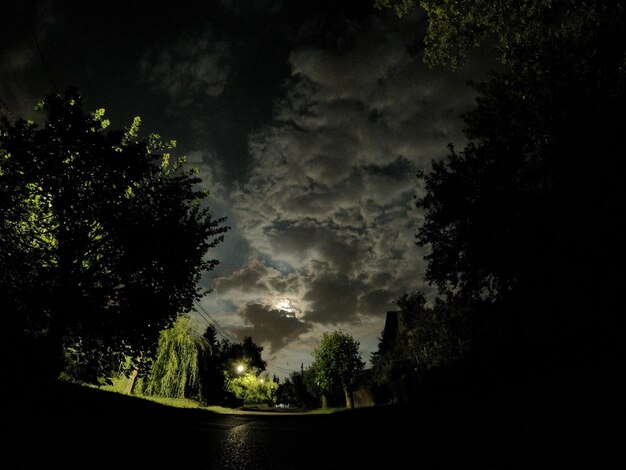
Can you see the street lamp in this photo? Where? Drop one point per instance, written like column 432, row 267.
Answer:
column 240, row 368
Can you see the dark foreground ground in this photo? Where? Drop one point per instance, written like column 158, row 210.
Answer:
column 72, row 427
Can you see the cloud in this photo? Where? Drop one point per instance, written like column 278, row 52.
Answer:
column 191, row 69
column 256, row 279
column 271, row 326
column 327, row 207
column 330, row 193
column 333, row 298
column 252, row 8
column 20, row 60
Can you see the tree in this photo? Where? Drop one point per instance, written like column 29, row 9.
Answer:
column 337, row 364
column 211, row 373
column 174, row 371
column 455, row 27
column 503, row 214
column 429, row 336
column 246, row 354
column 523, row 218
column 103, row 238
column 219, row 364
column 253, row 389
column 294, row 390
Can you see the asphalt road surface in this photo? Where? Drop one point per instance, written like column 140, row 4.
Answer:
column 93, row 430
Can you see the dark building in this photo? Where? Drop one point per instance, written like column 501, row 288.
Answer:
column 403, row 387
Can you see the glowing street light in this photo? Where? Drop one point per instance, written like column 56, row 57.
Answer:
column 240, row 368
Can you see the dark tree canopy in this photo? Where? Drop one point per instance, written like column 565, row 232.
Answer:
column 427, row 336
column 103, row 239
column 295, row 391
column 455, row 27
column 247, row 354
column 219, row 362
column 526, row 215
column 537, row 183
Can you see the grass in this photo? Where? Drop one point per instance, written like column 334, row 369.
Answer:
column 325, row 411
column 118, row 384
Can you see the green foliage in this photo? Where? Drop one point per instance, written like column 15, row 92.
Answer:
column 174, row 370
column 337, row 362
column 85, row 362
column 253, row 389
column 103, row 242
column 455, row 27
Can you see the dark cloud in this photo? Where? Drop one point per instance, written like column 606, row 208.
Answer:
column 23, row 75
column 305, row 240
column 250, row 277
column 333, row 298
column 330, row 192
column 253, row 8
column 193, row 69
column 271, row 326
column 255, row 279
column 377, row 302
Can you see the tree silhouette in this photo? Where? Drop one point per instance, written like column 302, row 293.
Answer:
column 103, row 238
column 524, row 217
column 294, row 391
column 429, row 336
column 219, row 362
column 246, row 354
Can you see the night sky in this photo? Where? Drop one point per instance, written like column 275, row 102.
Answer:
column 308, row 121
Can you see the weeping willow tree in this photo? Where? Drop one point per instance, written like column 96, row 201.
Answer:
column 175, row 371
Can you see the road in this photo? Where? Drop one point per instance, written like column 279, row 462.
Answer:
column 99, row 430
column 195, row 439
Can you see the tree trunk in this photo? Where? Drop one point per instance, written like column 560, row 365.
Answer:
column 348, row 393
column 130, row 385
column 324, row 402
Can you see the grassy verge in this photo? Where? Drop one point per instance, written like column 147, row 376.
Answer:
column 119, row 384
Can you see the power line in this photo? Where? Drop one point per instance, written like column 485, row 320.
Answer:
column 278, row 368
column 214, row 322
column 224, row 334
column 43, row 60
column 210, row 323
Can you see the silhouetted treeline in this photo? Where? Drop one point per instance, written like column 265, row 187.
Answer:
column 523, row 223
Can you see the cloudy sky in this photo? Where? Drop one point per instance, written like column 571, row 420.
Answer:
column 308, row 121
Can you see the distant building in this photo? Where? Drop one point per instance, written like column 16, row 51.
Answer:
column 403, row 388
column 394, row 329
